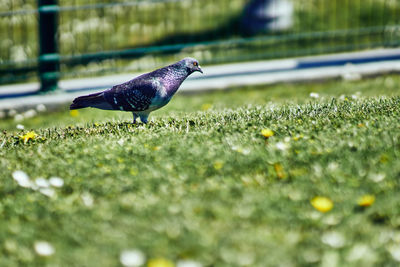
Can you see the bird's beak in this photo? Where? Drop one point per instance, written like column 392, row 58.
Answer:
column 199, row 69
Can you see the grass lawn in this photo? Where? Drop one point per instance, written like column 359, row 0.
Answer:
column 200, row 182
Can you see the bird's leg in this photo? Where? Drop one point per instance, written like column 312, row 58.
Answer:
column 143, row 118
column 134, row 118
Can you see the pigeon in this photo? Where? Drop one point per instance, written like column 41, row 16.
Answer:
column 143, row 94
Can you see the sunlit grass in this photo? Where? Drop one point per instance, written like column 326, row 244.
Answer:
column 261, row 177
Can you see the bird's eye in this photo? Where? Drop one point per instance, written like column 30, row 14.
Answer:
column 195, row 64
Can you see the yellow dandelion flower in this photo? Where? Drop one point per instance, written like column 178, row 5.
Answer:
column 297, row 137
column 322, row 204
column 28, row 136
column 74, row 113
column 206, row 106
column 218, row 165
column 366, row 200
column 155, row 148
column 133, row 171
column 384, row 158
column 280, row 172
column 267, row 133
column 160, row 262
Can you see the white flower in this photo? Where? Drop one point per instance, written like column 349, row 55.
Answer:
column 377, row 177
column 22, row 178
column 314, row 95
column 47, row 192
column 395, row 252
column 311, row 256
column 43, row 248
column 331, row 219
column 121, row 142
column 30, row 113
column 188, row 263
column 246, row 151
column 87, row 199
column 332, row 166
column 281, row 146
column 20, row 127
column 132, row 257
column 42, row 182
column 358, row 252
column 12, row 112
column 41, row 108
column 56, row 181
column 333, row 239
column 19, row 117
column 330, row 259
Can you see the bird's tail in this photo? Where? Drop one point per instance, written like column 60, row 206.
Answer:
column 93, row 100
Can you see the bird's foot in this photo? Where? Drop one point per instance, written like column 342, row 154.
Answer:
column 144, row 119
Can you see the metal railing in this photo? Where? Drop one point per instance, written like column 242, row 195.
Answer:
column 48, row 39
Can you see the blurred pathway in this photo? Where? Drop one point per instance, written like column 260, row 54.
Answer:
column 349, row 66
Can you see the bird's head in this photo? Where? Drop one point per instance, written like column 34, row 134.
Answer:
column 191, row 65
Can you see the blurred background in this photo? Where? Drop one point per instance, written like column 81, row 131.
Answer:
column 51, row 40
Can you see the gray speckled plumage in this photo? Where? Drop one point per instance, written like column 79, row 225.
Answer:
column 144, row 93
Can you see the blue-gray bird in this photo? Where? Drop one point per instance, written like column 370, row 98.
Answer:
column 142, row 94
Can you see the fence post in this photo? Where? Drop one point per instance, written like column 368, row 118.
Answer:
column 49, row 61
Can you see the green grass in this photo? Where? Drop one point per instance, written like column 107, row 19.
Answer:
column 203, row 184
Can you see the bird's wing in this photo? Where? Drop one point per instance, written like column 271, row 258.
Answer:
column 135, row 95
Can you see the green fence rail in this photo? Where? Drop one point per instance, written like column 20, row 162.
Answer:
column 48, row 40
